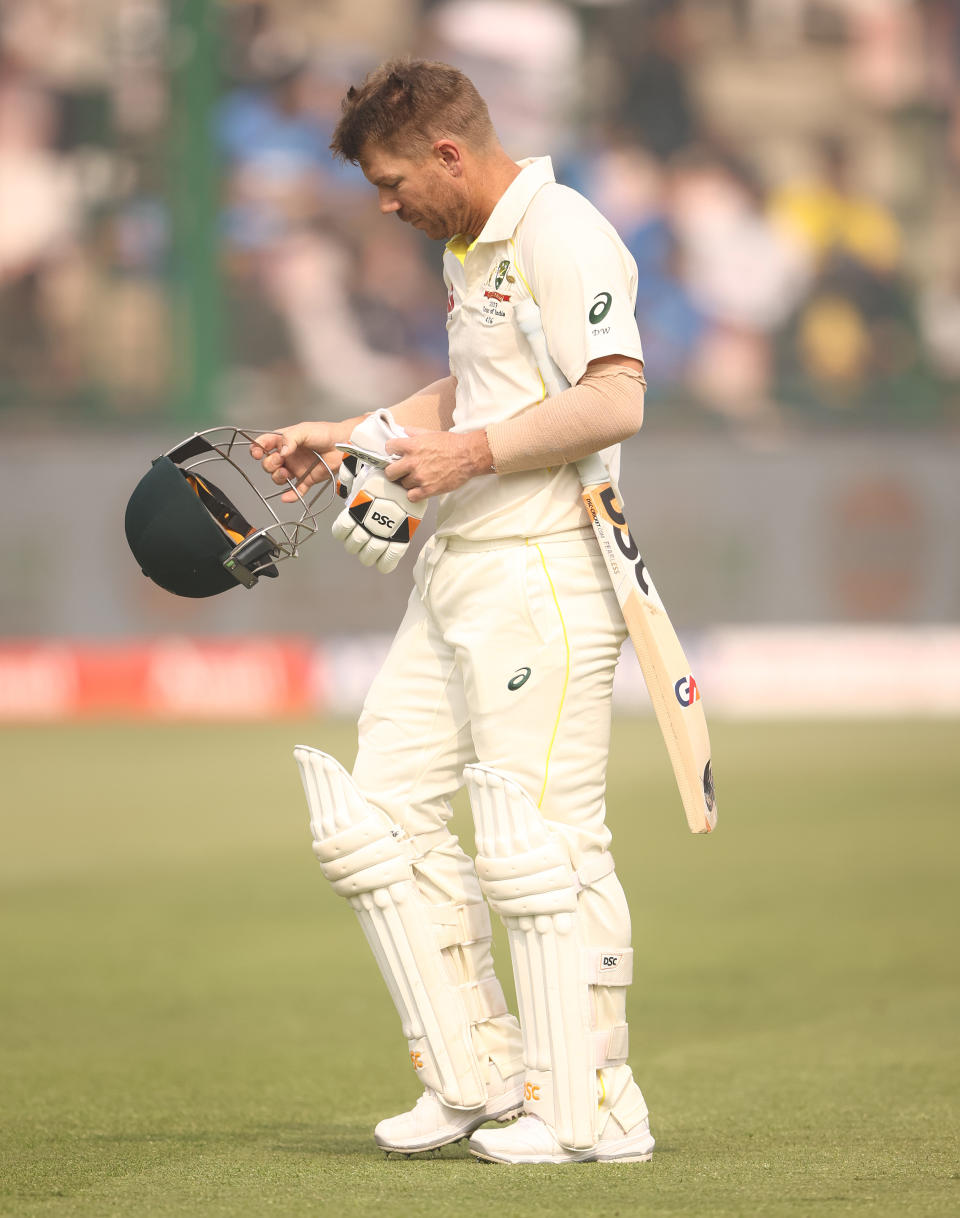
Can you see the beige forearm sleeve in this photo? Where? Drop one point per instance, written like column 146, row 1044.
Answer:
column 603, row 408
column 431, row 407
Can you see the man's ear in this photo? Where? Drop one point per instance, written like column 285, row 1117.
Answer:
column 450, row 157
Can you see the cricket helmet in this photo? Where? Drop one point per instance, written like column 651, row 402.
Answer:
column 192, row 539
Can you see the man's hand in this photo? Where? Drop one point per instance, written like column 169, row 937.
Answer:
column 435, row 462
column 289, row 454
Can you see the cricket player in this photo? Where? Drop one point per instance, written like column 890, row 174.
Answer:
column 501, row 673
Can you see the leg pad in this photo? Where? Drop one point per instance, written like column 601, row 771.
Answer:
column 368, row 861
column 527, row 876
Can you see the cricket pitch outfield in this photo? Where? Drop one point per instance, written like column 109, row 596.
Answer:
column 193, row 1023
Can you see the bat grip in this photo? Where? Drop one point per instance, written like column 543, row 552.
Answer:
column 528, row 320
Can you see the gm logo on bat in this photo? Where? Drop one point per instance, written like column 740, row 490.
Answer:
column 687, row 690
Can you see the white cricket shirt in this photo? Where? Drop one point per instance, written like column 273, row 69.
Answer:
column 546, row 241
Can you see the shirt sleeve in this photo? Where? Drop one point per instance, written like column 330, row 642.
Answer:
column 585, row 281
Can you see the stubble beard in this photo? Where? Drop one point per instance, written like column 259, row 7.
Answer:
column 439, row 223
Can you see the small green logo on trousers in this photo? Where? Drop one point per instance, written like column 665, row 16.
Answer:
column 519, row 678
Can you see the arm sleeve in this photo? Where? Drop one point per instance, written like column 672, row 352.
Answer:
column 604, row 408
column 431, row 407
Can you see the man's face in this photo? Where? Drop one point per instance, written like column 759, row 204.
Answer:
column 420, row 193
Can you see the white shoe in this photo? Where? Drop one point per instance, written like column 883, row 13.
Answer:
column 529, row 1140
column 431, row 1123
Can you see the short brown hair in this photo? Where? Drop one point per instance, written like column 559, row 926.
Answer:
column 407, row 104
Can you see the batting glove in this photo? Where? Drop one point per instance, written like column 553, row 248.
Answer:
column 373, row 433
column 378, row 520
column 346, row 474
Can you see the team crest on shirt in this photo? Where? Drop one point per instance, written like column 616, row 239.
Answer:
column 495, row 280
column 493, row 299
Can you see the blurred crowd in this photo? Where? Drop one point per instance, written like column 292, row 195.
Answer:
column 785, row 172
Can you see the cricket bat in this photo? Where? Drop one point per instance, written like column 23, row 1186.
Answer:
column 672, row 686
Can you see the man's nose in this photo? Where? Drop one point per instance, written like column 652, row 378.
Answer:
column 388, row 202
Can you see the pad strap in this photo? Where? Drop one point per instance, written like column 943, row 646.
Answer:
column 595, row 867
column 622, row 1099
column 461, row 924
column 611, row 1046
column 483, row 999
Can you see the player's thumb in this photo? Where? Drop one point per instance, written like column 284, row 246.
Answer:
column 293, row 438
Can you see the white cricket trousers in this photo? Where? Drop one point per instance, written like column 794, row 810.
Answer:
column 505, row 656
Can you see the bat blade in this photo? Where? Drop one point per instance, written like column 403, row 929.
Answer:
column 673, row 689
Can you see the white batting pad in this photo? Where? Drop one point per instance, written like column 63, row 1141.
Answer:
column 526, row 875
column 368, row 861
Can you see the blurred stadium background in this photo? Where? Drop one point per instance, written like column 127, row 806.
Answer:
column 178, row 249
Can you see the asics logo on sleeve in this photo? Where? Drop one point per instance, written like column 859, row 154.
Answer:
column 601, row 307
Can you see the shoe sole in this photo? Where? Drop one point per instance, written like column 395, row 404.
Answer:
column 643, row 1156
column 502, row 1118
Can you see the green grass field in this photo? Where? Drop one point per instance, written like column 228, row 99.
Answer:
column 192, row 1022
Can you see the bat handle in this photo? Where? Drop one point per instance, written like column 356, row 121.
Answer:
column 527, row 316
column 592, row 471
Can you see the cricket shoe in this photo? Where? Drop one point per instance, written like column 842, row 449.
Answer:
column 431, row 1123
column 530, row 1140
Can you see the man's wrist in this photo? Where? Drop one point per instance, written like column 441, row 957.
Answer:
column 481, row 456
column 341, row 431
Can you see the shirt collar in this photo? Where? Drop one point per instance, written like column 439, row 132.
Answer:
column 508, row 212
